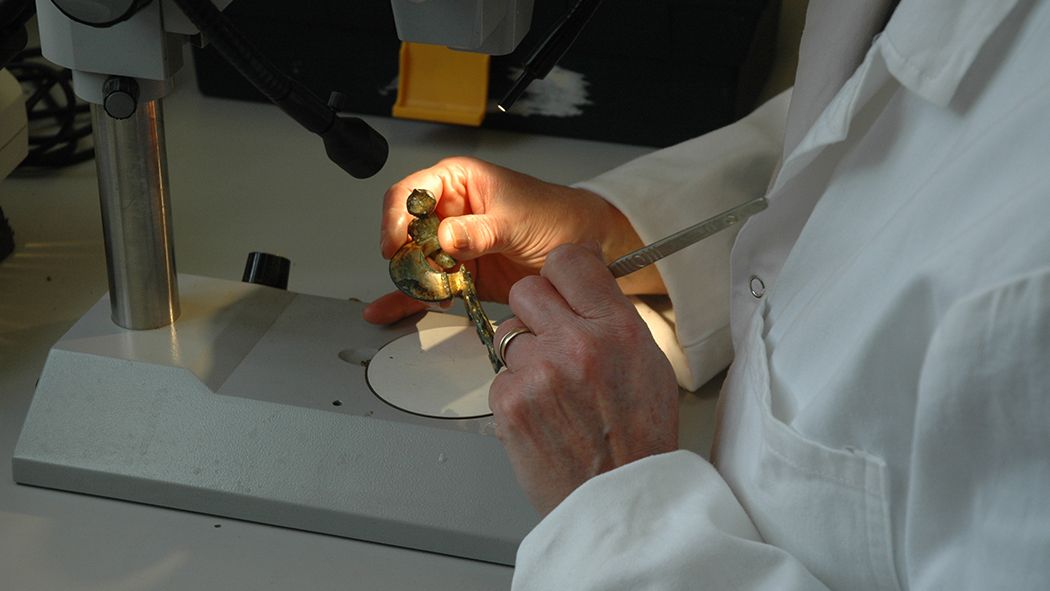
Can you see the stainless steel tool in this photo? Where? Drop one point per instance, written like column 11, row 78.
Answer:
column 647, row 255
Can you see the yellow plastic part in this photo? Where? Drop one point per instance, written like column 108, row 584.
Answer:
column 440, row 84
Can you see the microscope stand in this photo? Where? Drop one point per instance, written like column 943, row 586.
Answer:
column 256, row 405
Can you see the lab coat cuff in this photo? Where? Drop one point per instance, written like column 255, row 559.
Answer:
column 676, row 187
column 704, row 359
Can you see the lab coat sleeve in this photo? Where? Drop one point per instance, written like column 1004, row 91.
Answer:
column 676, row 187
column 666, row 522
column 977, row 515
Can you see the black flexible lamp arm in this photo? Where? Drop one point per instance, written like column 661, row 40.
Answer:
column 350, row 142
column 561, row 38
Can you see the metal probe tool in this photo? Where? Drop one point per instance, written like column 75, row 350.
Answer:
column 649, row 254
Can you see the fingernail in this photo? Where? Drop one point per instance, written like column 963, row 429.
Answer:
column 458, row 232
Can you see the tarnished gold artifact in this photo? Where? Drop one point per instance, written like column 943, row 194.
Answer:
column 421, row 270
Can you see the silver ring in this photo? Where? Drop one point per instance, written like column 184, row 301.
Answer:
column 504, row 342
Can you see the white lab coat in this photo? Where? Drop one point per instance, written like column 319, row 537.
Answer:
column 886, row 420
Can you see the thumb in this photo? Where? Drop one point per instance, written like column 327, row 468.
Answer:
column 470, row 236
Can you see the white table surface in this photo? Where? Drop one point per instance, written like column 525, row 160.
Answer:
column 243, row 177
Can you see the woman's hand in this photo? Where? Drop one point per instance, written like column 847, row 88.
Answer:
column 588, row 390
column 503, row 222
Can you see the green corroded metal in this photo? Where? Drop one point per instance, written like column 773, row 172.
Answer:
column 422, row 271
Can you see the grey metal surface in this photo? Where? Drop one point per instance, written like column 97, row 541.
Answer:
column 130, row 415
column 137, row 48
column 136, row 216
column 485, row 26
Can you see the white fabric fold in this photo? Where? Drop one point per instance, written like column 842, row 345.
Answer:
column 723, row 169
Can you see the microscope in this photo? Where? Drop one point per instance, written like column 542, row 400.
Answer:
column 242, row 399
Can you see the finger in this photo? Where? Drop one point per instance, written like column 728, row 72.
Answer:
column 536, row 302
column 392, row 307
column 506, row 326
column 470, row 236
column 505, row 384
column 520, row 352
column 580, row 276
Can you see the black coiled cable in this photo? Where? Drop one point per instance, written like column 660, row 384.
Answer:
column 59, row 123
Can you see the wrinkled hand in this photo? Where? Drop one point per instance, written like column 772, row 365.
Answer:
column 589, row 390
column 502, row 221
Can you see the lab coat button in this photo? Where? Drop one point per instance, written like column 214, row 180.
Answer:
column 758, row 287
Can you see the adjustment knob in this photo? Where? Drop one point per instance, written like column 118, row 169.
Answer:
column 267, row 269
column 120, row 97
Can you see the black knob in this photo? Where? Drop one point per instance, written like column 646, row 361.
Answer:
column 120, row 97
column 267, row 269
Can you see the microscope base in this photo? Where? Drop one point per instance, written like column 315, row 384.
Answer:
column 255, row 405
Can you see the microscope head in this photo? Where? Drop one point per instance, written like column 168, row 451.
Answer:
column 495, row 27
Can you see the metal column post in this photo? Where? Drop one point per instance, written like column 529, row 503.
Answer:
column 136, row 216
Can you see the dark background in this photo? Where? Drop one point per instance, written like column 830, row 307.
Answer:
column 658, row 71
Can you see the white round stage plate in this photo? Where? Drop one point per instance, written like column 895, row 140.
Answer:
column 441, row 372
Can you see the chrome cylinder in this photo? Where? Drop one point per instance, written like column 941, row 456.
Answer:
column 136, row 216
